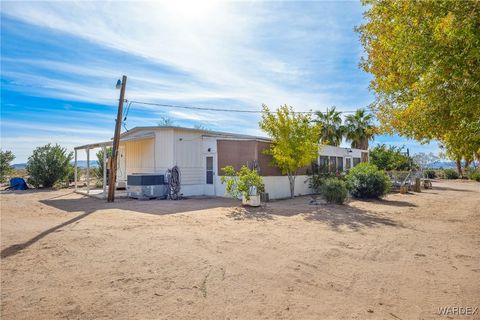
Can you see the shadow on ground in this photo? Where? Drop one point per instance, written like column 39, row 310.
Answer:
column 14, row 249
column 451, row 189
column 154, row 207
column 250, row 213
column 82, row 207
column 336, row 217
column 394, row 203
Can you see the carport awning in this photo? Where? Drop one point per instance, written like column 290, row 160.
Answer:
column 147, row 135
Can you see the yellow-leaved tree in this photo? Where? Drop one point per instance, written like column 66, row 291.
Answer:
column 425, row 59
column 294, row 140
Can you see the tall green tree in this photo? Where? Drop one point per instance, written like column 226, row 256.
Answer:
column 294, row 140
column 359, row 129
column 331, row 132
column 6, row 157
column 458, row 148
column 390, row 158
column 47, row 165
column 425, row 60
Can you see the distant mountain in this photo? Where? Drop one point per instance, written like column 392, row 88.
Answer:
column 445, row 165
column 19, row 166
column 81, row 164
column 441, row 165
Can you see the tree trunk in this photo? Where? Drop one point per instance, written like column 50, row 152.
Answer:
column 459, row 166
column 365, row 144
column 467, row 163
column 291, row 179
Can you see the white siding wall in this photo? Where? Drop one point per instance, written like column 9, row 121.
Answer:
column 164, row 150
column 139, row 156
column 278, row 187
column 188, row 156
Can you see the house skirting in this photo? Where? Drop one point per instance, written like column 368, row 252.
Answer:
column 278, row 187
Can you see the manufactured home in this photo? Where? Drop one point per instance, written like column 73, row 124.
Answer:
column 200, row 155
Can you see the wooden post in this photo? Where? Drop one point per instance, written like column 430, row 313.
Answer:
column 417, row 186
column 88, row 170
column 116, row 141
column 104, row 148
column 75, row 173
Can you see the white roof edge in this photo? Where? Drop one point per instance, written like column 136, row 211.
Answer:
column 148, row 135
column 205, row 132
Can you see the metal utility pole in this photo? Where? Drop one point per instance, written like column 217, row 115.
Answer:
column 116, row 141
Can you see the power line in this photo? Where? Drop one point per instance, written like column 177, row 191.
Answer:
column 130, row 102
column 213, row 109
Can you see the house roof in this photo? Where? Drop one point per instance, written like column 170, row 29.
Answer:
column 207, row 133
column 210, row 133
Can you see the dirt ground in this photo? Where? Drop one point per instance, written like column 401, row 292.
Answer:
column 73, row 257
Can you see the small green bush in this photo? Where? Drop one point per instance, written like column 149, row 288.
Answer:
column 475, row 176
column 472, row 174
column 334, row 190
column 48, row 165
column 450, row 174
column 366, row 181
column 238, row 183
column 430, row 174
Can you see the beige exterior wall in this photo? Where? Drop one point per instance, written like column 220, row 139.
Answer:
column 139, row 156
column 189, row 156
column 164, row 150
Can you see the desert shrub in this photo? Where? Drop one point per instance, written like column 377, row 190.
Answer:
column 6, row 157
column 475, row 176
column 71, row 173
column 450, row 174
column 334, row 190
column 239, row 183
column 366, row 181
column 472, row 174
column 315, row 182
column 47, row 165
column 430, row 174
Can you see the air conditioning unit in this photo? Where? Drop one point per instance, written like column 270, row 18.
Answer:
column 146, row 186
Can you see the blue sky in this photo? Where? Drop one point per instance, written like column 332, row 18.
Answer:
column 60, row 62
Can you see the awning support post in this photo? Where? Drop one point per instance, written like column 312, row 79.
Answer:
column 75, row 173
column 88, row 170
column 104, row 148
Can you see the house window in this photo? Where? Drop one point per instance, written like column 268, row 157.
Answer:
column 348, row 163
column 340, row 164
column 323, row 166
column 356, row 161
column 333, row 164
column 209, row 170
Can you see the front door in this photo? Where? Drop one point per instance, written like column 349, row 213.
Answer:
column 209, row 175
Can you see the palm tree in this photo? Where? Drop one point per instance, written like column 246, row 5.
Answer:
column 332, row 129
column 359, row 129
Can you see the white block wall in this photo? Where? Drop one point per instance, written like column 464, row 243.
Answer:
column 278, row 187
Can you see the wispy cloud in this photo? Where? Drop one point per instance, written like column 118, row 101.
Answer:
column 60, row 61
column 226, row 48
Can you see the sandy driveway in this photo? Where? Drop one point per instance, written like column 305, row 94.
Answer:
column 68, row 256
